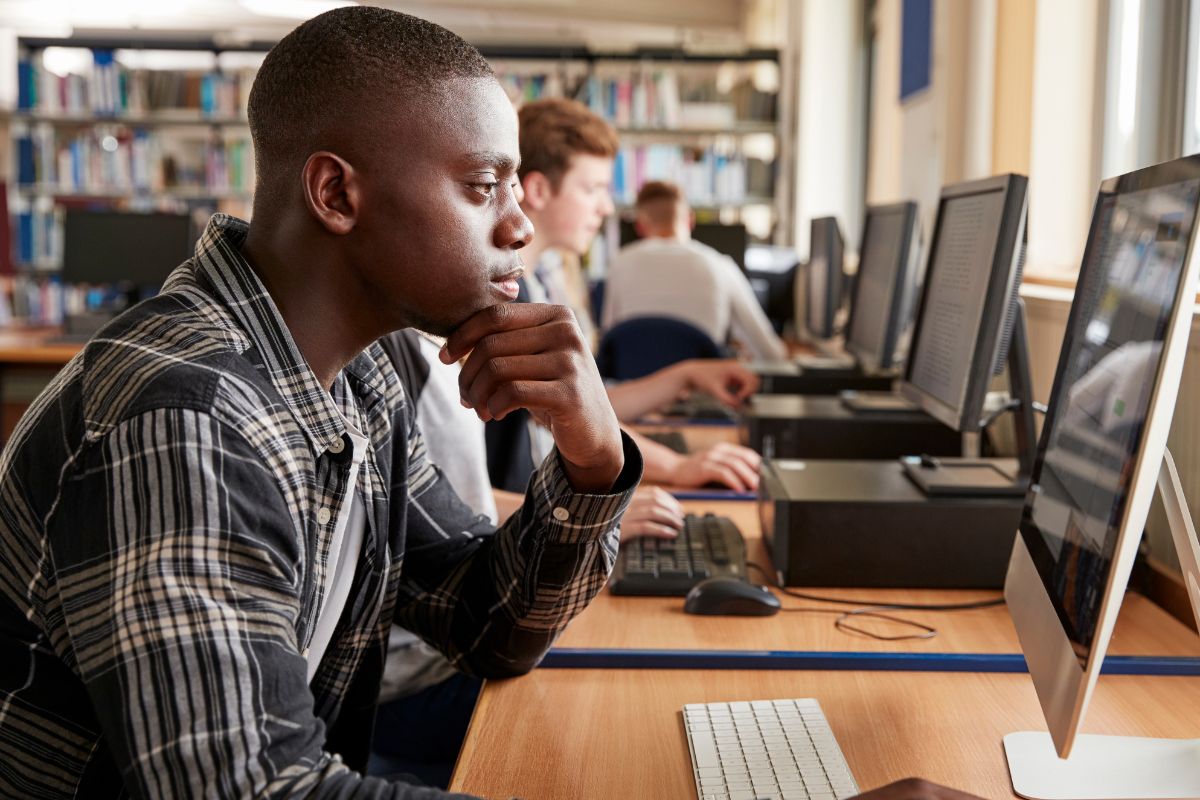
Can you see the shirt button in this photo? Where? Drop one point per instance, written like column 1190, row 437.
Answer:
column 561, row 514
column 304, row 653
column 337, row 446
column 323, row 515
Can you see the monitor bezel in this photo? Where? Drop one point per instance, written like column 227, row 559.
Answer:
column 1064, row 685
column 833, row 279
column 886, row 359
column 1002, row 284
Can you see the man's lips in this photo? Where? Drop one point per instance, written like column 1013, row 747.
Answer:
column 507, row 283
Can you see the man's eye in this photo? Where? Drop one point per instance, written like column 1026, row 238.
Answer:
column 485, row 189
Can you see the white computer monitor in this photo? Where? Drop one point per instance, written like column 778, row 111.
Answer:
column 885, row 286
column 822, row 276
column 1098, row 459
column 975, row 258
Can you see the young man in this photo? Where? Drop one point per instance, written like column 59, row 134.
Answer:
column 667, row 272
column 213, row 515
column 566, row 169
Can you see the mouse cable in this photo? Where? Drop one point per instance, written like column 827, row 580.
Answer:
column 968, row 606
column 874, row 610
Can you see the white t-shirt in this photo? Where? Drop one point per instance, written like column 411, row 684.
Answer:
column 454, row 440
column 349, row 529
column 690, row 281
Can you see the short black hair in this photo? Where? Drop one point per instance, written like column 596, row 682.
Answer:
column 330, row 69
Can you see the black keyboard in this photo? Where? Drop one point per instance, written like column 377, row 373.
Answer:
column 707, row 547
column 671, row 439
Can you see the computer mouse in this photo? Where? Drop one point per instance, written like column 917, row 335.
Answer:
column 730, row 596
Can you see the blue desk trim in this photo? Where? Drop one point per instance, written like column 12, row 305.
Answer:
column 681, row 422
column 712, row 494
column 572, row 658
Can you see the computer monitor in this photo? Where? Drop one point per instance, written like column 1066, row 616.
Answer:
column 117, row 247
column 1101, row 450
column 968, row 300
column 729, row 240
column 885, row 286
column 823, row 278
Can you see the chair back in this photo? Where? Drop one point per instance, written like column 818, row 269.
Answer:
column 641, row 345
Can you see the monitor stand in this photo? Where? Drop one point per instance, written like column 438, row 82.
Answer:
column 989, row 477
column 1119, row 767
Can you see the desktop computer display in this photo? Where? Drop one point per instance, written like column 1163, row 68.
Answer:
column 974, row 272
column 1099, row 456
column 885, row 286
column 116, row 247
column 728, row 240
column 823, row 278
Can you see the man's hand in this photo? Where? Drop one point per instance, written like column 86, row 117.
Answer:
column 727, row 380
column 728, row 464
column 914, row 789
column 533, row 356
column 653, row 512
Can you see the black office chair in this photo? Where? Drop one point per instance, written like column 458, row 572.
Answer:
column 641, row 345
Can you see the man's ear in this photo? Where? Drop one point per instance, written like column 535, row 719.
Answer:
column 639, row 225
column 538, row 190
column 332, row 191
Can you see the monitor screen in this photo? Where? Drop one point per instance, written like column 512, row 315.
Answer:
column 956, row 292
column 824, row 276
column 1110, row 363
column 729, row 240
column 111, row 247
column 879, row 285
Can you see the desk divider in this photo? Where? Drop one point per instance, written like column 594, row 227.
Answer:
column 575, row 658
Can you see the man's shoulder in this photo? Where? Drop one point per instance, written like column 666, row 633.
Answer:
column 170, row 351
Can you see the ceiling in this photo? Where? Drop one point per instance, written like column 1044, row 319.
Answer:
column 708, row 24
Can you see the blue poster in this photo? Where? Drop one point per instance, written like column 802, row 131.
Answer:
column 916, row 47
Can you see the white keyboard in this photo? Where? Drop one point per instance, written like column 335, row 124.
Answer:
column 778, row 749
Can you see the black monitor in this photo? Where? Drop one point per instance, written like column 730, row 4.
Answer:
column 968, row 302
column 729, row 240
column 823, row 278
column 118, row 247
column 885, row 286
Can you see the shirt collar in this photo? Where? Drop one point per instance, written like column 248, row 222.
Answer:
column 219, row 261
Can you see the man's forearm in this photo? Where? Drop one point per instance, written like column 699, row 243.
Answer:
column 631, row 399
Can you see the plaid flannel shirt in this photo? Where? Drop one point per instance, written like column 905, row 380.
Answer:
column 166, row 507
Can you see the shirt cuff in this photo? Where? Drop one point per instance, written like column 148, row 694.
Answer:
column 576, row 517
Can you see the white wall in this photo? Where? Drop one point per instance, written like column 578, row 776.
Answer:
column 942, row 134
column 1062, row 163
column 828, row 169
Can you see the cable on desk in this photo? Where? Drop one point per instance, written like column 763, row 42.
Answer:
column 869, row 608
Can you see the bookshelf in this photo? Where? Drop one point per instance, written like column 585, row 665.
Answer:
column 121, row 132
column 118, row 123
column 710, row 122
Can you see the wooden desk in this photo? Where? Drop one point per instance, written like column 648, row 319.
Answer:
column 585, row 734
column 27, row 351
column 1143, row 629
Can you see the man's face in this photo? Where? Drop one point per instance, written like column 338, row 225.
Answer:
column 440, row 226
column 574, row 213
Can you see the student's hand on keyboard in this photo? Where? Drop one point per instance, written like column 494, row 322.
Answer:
column 534, row 356
column 653, row 512
column 914, row 789
column 727, row 464
column 727, row 380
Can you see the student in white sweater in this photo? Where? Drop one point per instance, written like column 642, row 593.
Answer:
column 667, row 273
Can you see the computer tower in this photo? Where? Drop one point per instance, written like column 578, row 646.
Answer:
column 794, row 426
column 865, row 524
column 788, row 377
